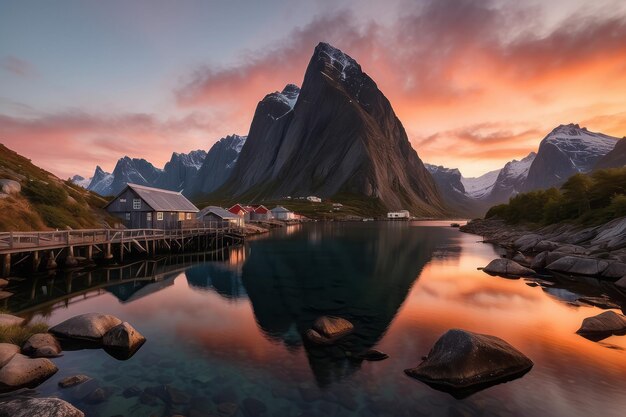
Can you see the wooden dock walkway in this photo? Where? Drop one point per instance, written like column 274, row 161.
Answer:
column 17, row 248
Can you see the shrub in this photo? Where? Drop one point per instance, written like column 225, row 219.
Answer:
column 18, row 335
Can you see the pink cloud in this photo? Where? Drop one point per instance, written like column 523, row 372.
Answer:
column 17, row 66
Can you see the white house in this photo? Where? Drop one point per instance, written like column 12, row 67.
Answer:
column 281, row 213
column 314, row 199
column 402, row 214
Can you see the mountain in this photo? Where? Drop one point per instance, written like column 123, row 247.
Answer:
column 567, row 150
column 478, row 187
column 100, row 182
column 614, row 159
column 338, row 138
column 181, row 169
column 80, row 181
column 35, row 199
column 450, row 184
column 217, row 165
column 511, row 179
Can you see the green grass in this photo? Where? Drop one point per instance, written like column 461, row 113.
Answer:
column 18, row 335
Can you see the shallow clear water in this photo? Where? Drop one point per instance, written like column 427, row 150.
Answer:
column 227, row 331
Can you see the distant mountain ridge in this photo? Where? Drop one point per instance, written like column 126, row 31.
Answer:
column 192, row 173
column 566, row 150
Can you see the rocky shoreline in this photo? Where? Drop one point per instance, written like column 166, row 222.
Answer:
column 573, row 250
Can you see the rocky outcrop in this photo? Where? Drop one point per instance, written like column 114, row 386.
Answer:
column 507, row 267
column 614, row 159
column 22, row 371
column 621, row 283
column 580, row 266
column 339, row 137
column 462, row 362
column 328, row 329
column 89, row 327
column 42, row 345
column 603, row 325
column 10, row 186
column 10, row 320
column 7, row 351
column 40, row 407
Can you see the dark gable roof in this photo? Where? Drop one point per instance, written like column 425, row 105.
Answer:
column 163, row 200
column 218, row 211
column 280, row 209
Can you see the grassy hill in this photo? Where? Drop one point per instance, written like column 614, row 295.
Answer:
column 593, row 198
column 45, row 201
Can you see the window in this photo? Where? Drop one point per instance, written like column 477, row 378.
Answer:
column 127, row 216
column 149, row 216
column 122, row 200
column 160, row 215
column 136, row 203
column 188, row 216
column 181, row 216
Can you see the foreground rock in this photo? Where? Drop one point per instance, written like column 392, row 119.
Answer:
column 10, row 320
column 40, row 407
column 24, row 372
column 603, row 325
column 329, row 329
column 507, row 267
column 462, row 363
column 123, row 340
column 7, row 352
column 90, row 327
column 621, row 283
column 42, row 345
column 373, row 355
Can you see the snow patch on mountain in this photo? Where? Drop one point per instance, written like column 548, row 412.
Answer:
column 479, row 187
column 81, row 181
column 581, row 146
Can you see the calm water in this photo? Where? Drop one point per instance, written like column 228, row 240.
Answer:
column 226, row 331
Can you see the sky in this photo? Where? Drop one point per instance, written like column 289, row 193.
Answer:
column 475, row 83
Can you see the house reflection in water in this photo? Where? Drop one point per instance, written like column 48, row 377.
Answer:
column 222, row 277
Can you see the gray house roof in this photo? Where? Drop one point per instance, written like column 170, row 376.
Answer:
column 280, row 209
column 218, row 211
column 163, row 200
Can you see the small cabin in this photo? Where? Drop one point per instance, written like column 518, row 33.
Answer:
column 214, row 215
column 260, row 212
column 281, row 213
column 402, row 215
column 141, row 207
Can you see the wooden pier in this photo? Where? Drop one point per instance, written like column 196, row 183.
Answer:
column 46, row 250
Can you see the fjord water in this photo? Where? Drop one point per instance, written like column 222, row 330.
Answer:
column 227, row 331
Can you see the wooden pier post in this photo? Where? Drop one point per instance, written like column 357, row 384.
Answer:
column 89, row 252
column 6, row 265
column 108, row 254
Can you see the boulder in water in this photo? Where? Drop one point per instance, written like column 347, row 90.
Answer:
column 579, row 266
column 507, row 267
column 621, row 283
column 329, row 329
column 73, row 380
column 462, row 363
column 7, row 351
column 89, row 327
column 603, row 325
column 123, row 340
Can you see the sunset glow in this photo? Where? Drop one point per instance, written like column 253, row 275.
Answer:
column 475, row 84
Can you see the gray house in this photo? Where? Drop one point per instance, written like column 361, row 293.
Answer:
column 141, row 207
column 220, row 216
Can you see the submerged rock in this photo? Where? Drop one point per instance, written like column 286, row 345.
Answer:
column 40, row 407
column 24, row 372
column 7, row 351
column 42, row 345
column 123, row 340
column 577, row 265
column 89, row 327
column 462, row 363
column 72, row 381
column 328, row 329
column 507, row 267
column 602, row 326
